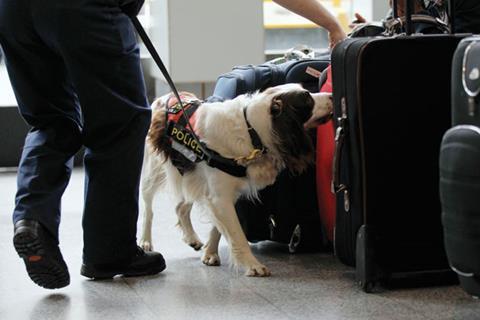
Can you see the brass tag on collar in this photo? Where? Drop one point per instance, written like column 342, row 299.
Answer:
column 256, row 153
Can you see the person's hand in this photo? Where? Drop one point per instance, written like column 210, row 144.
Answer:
column 335, row 37
column 359, row 19
column 131, row 8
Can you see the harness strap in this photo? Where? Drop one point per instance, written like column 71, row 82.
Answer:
column 181, row 116
column 256, row 141
column 188, row 148
column 229, row 166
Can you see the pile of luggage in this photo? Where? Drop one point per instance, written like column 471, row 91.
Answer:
column 386, row 154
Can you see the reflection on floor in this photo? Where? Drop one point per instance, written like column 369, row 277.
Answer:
column 307, row 286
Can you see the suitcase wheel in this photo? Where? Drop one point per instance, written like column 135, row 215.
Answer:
column 367, row 286
column 471, row 285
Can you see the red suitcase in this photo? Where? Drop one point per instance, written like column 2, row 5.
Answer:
column 324, row 159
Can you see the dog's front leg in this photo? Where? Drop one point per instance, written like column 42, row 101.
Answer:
column 226, row 220
column 149, row 188
column 210, row 256
column 153, row 177
column 190, row 237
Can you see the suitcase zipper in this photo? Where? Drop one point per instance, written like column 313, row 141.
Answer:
column 347, row 252
column 346, row 200
column 471, row 107
column 362, row 142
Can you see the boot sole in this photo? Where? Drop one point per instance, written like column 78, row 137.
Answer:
column 45, row 271
column 96, row 275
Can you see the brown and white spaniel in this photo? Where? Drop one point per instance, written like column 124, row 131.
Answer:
column 276, row 116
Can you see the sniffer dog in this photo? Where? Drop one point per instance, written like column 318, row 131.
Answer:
column 232, row 130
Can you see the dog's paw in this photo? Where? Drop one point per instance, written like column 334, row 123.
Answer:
column 146, row 245
column 196, row 245
column 257, row 270
column 211, row 259
column 193, row 241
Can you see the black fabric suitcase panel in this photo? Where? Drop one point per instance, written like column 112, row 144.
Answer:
column 397, row 95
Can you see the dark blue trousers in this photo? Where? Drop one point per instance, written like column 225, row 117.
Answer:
column 75, row 69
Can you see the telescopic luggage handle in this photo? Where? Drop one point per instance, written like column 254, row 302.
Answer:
column 409, row 8
column 451, row 15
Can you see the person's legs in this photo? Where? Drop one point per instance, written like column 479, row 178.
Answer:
column 48, row 104
column 92, row 43
column 102, row 57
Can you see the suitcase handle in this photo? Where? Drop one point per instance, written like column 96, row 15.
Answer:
column 392, row 26
column 451, row 15
column 409, row 6
column 340, row 134
column 394, row 9
column 339, row 142
column 339, row 139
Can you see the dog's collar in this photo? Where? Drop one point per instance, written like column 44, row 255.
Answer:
column 231, row 166
column 258, row 147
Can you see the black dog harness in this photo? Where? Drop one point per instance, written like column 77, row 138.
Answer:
column 187, row 149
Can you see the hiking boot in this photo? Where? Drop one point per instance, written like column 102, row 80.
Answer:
column 142, row 264
column 41, row 255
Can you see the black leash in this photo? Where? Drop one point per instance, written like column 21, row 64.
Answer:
column 156, row 57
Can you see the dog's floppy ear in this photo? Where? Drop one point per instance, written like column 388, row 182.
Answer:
column 277, row 107
column 303, row 105
column 298, row 102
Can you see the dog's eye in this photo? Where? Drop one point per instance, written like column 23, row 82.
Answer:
column 307, row 98
column 276, row 108
column 306, row 95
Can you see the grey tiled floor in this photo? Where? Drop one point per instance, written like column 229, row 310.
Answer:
column 307, row 286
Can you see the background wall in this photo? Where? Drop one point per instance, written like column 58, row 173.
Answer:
column 380, row 9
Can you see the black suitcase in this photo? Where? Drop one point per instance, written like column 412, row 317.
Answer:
column 460, row 169
column 392, row 107
column 287, row 211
